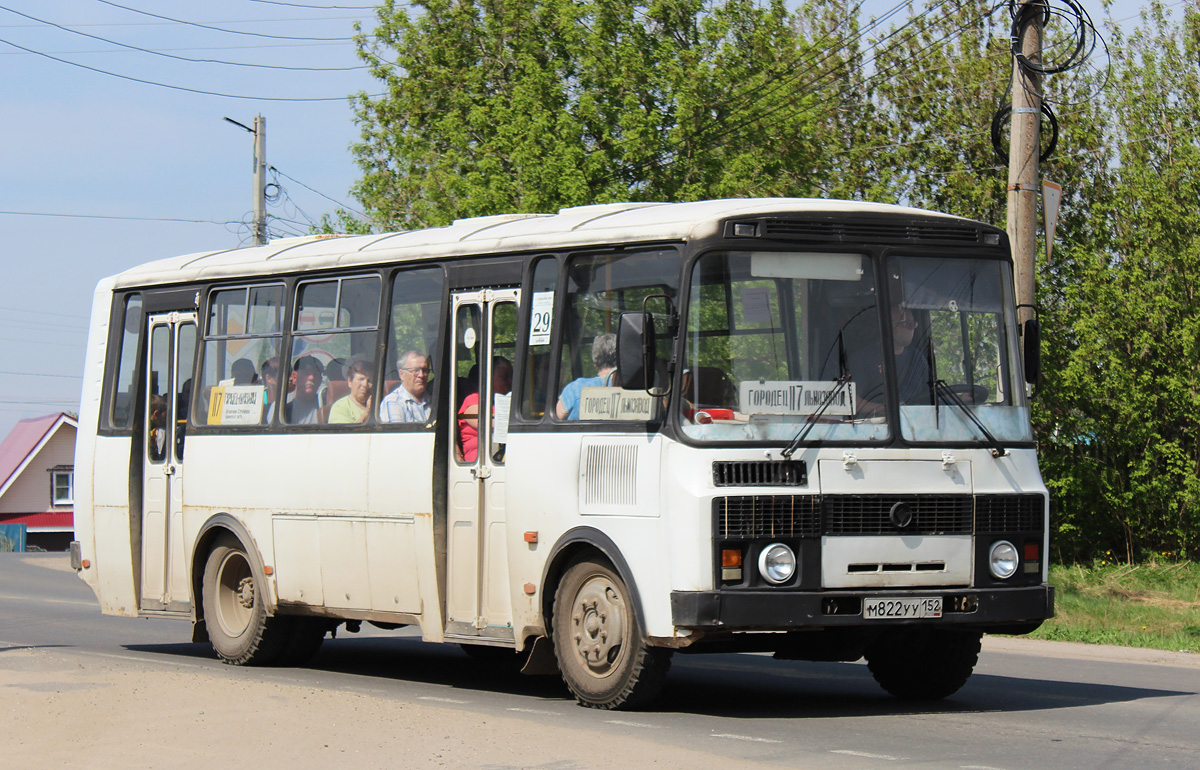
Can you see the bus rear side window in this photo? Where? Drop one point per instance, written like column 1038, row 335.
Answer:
column 122, row 397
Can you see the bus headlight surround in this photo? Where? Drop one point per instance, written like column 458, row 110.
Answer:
column 777, row 563
column 1003, row 560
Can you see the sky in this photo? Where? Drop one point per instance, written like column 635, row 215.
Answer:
column 111, row 156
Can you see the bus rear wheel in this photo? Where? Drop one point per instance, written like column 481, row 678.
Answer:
column 601, row 649
column 239, row 628
column 923, row 664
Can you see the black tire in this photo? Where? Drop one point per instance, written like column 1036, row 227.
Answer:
column 239, row 628
column 304, row 639
column 601, row 650
column 923, row 664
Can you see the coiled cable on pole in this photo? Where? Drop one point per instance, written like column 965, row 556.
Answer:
column 1082, row 32
column 1001, row 117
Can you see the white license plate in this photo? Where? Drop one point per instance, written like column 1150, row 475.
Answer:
column 900, row 609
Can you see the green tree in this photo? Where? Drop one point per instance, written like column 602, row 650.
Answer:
column 533, row 105
column 1123, row 439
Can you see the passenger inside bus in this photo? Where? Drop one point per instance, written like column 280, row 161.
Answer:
column 604, row 356
column 302, row 407
column 355, row 406
column 409, row 402
column 243, row 372
column 468, row 414
column 912, row 368
column 270, row 380
column 158, row 424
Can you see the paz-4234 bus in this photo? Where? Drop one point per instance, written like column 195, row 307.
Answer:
column 578, row 442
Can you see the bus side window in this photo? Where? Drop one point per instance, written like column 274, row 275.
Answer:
column 335, row 324
column 243, row 333
column 535, row 385
column 122, row 395
column 414, row 328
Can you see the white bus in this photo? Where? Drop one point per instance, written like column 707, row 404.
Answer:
column 781, row 425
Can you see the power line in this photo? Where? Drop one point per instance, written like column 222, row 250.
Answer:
column 258, row 46
column 178, row 58
column 217, row 29
column 318, row 192
column 43, row 312
column 106, row 216
column 322, row 7
column 39, row 374
column 180, row 88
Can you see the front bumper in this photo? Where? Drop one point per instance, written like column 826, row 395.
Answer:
column 766, row 610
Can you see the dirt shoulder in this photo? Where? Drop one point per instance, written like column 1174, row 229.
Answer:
column 1077, row 651
column 63, row 708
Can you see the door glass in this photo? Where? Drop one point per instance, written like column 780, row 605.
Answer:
column 504, row 338
column 158, row 393
column 186, row 357
column 466, row 387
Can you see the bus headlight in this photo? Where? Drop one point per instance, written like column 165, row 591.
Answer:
column 1003, row 560
column 777, row 563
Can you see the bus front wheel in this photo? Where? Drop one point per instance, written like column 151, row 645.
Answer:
column 236, row 617
column 923, row 664
column 601, row 649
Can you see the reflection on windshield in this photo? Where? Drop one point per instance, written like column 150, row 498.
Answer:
column 771, row 334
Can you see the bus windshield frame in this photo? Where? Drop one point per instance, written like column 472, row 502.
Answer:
column 769, row 335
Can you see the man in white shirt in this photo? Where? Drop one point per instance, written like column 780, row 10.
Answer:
column 410, row 401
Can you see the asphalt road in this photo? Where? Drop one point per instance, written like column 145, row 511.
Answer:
column 134, row 693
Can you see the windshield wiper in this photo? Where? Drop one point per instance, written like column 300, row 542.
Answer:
column 940, row 387
column 790, row 449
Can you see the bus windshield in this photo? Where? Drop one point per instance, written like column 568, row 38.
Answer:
column 783, row 342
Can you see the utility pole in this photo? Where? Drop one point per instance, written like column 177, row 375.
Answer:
column 260, row 180
column 1024, row 150
column 260, row 176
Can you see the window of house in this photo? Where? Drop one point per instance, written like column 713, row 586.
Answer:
column 62, row 486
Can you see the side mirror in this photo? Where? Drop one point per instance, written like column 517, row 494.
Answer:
column 1031, row 341
column 636, row 351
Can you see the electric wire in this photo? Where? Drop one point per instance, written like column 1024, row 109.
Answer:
column 109, row 217
column 42, row 374
column 219, row 29
column 182, row 88
column 321, row 7
column 318, row 192
column 178, row 58
column 838, row 71
column 844, row 68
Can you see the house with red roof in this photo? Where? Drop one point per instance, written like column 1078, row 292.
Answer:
column 37, row 480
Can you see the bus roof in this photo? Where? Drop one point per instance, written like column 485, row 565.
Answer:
column 597, row 225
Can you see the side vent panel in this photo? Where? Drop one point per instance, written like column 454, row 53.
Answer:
column 608, row 475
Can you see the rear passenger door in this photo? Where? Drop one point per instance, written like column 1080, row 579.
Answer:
column 478, row 600
column 170, row 357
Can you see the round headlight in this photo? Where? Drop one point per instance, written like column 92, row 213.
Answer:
column 777, row 563
column 1003, row 559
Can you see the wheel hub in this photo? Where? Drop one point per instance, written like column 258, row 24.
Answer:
column 245, row 592
column 599, row 622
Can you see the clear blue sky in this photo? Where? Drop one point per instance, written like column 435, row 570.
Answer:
column 98, row 169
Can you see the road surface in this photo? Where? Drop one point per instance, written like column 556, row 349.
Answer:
column 81, row 689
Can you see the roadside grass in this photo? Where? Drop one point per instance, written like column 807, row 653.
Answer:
column 1142, row 605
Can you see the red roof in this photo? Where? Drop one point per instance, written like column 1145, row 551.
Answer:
column 47, row 521
column 24, row 439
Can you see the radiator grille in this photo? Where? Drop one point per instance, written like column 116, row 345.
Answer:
column 767, row 516
column 755, row 473
column 753, row 516
column 869, row 514
column 1009, row 513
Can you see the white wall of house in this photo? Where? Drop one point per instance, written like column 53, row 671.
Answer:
column 30, row 492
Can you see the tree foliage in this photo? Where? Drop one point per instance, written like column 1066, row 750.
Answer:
column 533, row 105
